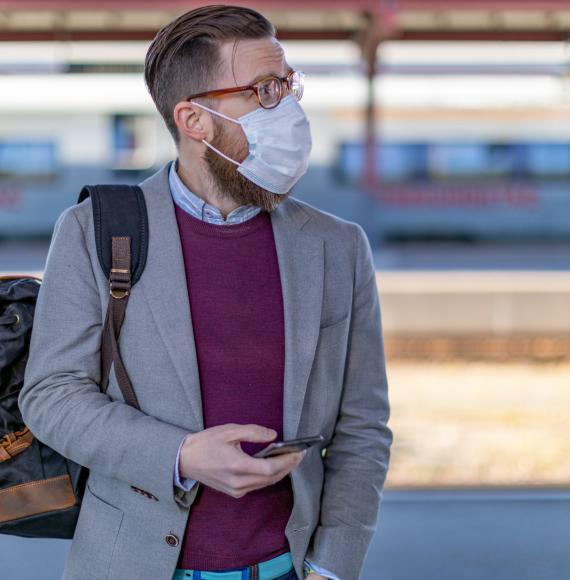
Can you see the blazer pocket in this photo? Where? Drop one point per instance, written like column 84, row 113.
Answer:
column 91, row 551
column 332, row 334
column 328, row 369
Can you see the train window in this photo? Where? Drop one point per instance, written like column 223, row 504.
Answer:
column 503, row 159
column 473, row 159
column 132, row 137
column 449, row 159
column 399, row 161
column 395, row 161
column 548, row 159
column 29, row 158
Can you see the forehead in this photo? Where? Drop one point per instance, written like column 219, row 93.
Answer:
column 247, row 59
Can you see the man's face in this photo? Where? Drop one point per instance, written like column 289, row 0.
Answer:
column 253, row 60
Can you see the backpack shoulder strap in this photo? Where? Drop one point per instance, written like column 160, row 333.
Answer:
column 119, row 210
column 121, row 235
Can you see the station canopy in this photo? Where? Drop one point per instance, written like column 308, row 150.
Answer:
column 364, row 21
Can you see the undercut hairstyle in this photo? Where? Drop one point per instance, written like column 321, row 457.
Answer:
column 184, row 56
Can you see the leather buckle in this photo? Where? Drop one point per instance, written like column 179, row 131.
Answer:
column 14, row 443
column 117, row 293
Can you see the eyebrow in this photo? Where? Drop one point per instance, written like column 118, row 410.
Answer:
column 269, row 74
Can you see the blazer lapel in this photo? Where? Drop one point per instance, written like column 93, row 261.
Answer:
column 163, row 284
column 301, row 268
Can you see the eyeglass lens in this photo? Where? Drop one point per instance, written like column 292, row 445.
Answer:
column 297, row 84
column 270, row 91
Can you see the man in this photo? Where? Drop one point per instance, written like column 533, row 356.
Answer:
column 257, row 318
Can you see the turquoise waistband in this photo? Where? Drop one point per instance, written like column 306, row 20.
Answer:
column 267, row 571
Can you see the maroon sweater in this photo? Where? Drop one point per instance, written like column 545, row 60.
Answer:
column 236, row 304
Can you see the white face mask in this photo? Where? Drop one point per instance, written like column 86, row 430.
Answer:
column 279, row 144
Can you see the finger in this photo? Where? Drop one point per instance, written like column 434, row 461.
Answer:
column 250, row 432
column 270, row 466
column 251, row 483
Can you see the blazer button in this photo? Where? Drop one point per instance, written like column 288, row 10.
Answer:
column 172, row 539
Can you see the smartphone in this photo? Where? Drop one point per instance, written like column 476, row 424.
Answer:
column 279, row 447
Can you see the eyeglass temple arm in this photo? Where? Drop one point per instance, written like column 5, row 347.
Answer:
column 239, row 89
column 218, row 92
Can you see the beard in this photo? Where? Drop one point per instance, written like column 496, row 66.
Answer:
column 224, row 175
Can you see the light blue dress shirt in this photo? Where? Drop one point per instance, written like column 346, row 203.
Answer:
column 202, row 210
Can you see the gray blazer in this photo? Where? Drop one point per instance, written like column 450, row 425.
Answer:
column 335, row 383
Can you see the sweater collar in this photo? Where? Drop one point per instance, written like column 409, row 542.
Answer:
column 201, row 209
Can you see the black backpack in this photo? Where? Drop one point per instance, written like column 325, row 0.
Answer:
column 41, row 490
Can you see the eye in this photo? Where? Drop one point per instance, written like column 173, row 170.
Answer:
column 270, row 91
column 266, row 89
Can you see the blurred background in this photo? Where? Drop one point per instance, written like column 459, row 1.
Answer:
column 443, row 128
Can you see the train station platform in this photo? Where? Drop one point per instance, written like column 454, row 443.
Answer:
column 473, row 314
column 476, row 314
column 462, row 302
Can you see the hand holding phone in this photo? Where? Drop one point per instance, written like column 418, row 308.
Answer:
column 215, row 458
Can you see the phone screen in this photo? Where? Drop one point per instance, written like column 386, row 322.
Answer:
column 279, row 447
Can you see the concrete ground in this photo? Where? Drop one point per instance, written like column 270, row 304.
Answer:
column 436, row 535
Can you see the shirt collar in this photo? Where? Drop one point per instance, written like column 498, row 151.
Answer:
column 200, row 208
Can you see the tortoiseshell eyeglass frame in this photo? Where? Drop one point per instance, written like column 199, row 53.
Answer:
column 255, row 88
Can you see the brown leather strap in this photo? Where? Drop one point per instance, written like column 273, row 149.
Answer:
column 119, row 291
column 13, row 443
column 36, row 497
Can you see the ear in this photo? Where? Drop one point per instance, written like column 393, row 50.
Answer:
column 192, row 121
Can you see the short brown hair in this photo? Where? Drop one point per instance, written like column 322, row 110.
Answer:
column 184, row 56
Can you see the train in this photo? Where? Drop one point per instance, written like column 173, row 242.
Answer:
column 452, row 157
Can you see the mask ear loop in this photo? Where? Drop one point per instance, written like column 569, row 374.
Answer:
column 216, row 112
column 206, row 142
column 220, row 153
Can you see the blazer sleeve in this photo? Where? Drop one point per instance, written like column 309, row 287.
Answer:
column 60, row 399
column 357, row 458
column 308, row 566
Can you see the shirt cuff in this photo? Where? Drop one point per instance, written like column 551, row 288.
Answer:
column 184, row 483
column 322, row 571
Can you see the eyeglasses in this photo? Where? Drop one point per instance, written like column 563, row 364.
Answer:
column 269, row 90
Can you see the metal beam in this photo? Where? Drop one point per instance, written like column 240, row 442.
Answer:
column 470, row 20
column 483, row 35
column 489, row 5
column 186, row 5
column 59, row 35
